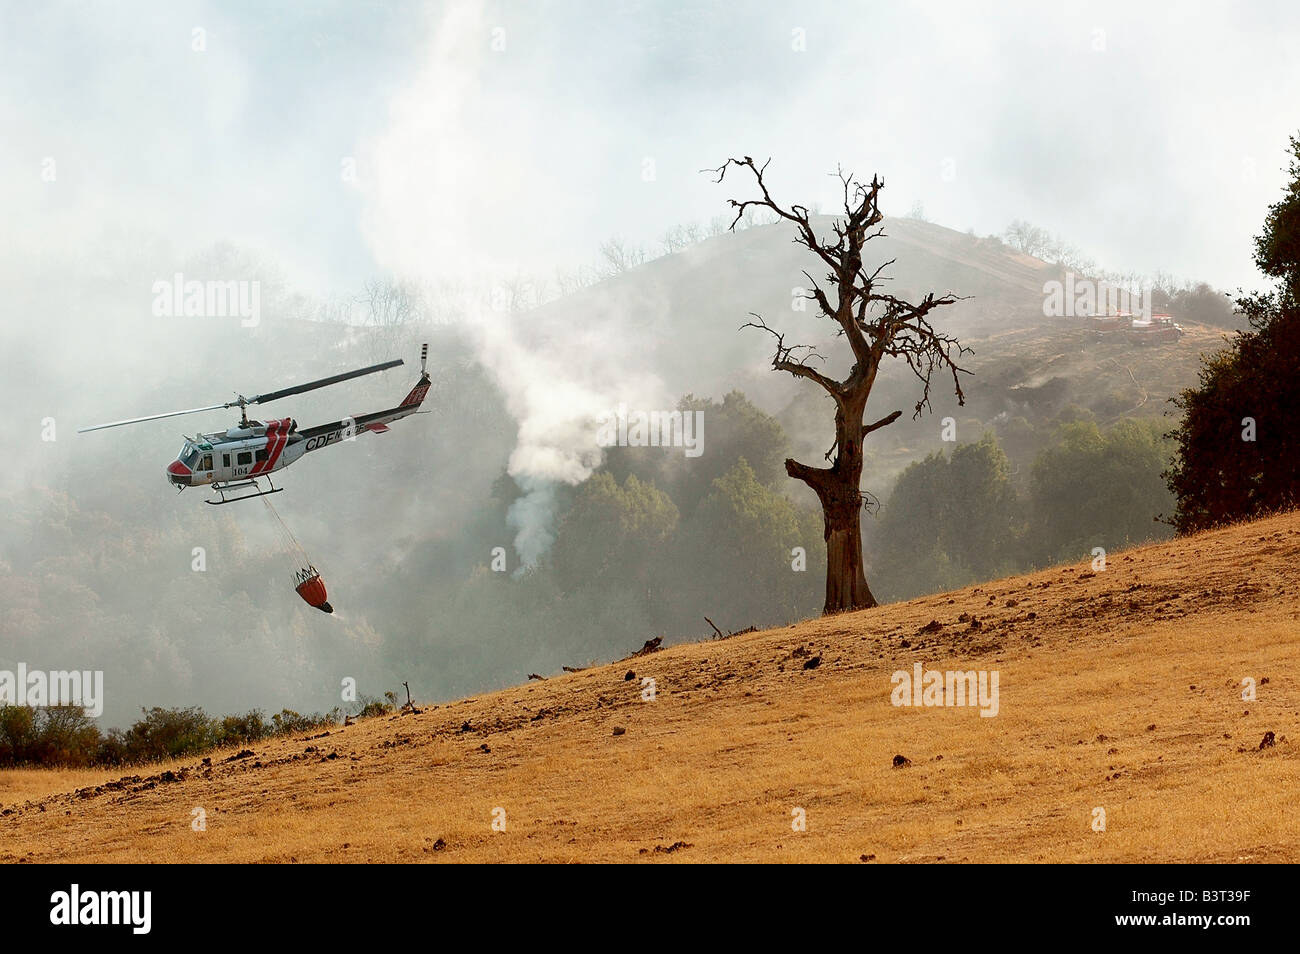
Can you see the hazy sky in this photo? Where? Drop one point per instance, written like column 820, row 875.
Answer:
column 516, row 136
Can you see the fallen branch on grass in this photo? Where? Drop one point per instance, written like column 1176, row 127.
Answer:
column 737, row 632
column 651, row 646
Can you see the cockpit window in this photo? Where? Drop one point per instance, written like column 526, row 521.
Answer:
column 189, row 456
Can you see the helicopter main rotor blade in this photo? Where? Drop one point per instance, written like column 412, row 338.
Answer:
column 152, row 417
column 260, row 399
column 323, row 382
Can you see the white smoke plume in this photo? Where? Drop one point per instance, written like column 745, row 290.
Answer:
column 558, row 381
column 448, row 192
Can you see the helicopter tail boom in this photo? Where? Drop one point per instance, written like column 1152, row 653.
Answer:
column 349, row 428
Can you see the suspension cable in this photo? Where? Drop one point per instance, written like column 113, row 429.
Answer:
column 287, row 534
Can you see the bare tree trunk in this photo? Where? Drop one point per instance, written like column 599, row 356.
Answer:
column 846, row 581
column 839, row 490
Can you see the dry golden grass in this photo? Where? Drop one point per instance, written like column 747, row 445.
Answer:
column 1122, row 692
column 22, row 784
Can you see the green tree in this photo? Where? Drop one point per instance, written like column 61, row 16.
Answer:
column 1238, row 450
column 732, row 428
column 737, row 560
column 909, row 558
column 1091, row 488
column 1277, row 248
column 984, row 512
column 168, row 733
column 612, row 531
column 47, row 735
column 949, row 521
column 18, row 734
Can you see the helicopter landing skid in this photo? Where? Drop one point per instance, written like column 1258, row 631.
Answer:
column 221, row 490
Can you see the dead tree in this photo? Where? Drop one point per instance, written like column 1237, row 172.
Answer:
column 877, row 326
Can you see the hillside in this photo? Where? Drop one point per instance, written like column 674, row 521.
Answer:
column 97, row 555
column 684, row 311
column 1119, row 690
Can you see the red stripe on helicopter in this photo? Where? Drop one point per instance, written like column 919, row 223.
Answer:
column 277, row 436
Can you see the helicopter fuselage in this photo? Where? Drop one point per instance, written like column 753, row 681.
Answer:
column 253, row 449
column 237, row 454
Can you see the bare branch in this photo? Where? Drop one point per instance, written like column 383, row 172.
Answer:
column 883, row 422
column 797, row 214
column 903, row 330
column 784, row 360
column 815, row 477
column 870, row 501
column 819, row 296
column 877, row 325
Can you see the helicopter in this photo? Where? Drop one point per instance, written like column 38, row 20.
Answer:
column 234, row 461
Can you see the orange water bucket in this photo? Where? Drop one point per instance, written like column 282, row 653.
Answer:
column 312, row 590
